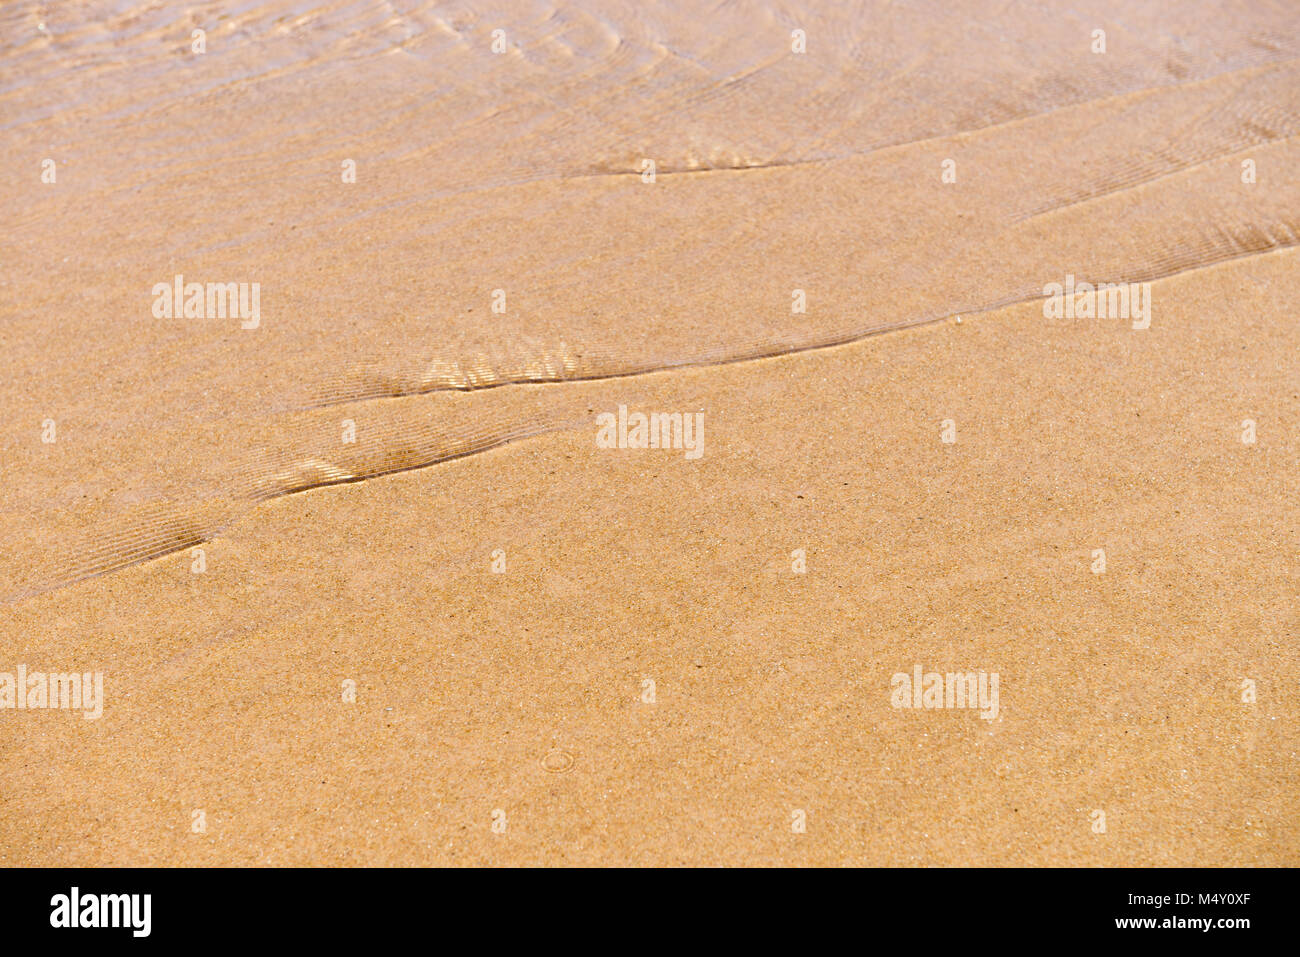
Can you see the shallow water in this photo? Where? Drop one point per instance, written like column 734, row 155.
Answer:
column 521, row 171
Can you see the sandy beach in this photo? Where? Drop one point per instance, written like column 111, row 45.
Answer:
column 328, row 334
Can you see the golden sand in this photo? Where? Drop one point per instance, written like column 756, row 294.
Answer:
column 362, row 584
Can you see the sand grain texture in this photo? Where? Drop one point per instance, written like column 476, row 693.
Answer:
column 475, row 431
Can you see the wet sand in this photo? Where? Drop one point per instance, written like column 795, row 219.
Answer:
column 353, row 466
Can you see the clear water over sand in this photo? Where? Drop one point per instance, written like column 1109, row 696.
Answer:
column 523, row 172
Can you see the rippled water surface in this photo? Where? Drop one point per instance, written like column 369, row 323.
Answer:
column 502, row 147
